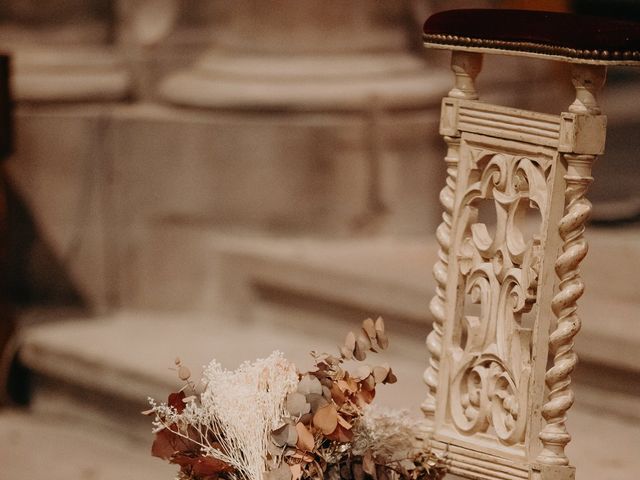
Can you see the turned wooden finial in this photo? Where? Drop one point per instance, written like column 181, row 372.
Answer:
column 587, row 80
column 466, row 66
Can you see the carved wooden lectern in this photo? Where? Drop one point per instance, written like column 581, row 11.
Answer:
column 505, row 304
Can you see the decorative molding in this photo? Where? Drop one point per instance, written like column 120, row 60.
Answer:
column 509, row 123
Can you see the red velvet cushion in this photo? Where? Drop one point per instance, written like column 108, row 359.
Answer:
column 546, row 33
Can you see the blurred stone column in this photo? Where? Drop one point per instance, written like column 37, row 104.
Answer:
column 67, row 79
column 355, row 61
column 62, row 50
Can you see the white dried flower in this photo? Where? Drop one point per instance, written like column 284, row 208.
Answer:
column 389, row 435
column 243, row 407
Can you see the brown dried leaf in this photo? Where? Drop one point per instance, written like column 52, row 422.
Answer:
column 383, row 340
column 326, row 381
column 341, row 434
column 326, row 391
column 350, row 341
column 352, row 384
column 307, row 418
column 326, row 419
column 167, row 444
column 391, row 377
column 306, row 441
column 380, row 373
column 369, row 328
column 368, row 383
column 364, row 397
column 358, row 353
column 343, row 423
column 337, row 394
column 358, row 471
column 175, row 401
column 203, row 466
column 345, row 352
column 368, row 465
column 363, row 342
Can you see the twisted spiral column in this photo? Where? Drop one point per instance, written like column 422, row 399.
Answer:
column 554, row 435
column 466, row 66
column 439, row 301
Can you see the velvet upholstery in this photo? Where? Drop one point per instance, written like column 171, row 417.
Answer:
column 566, row 35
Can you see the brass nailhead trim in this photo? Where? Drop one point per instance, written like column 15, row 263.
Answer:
column 532, row 47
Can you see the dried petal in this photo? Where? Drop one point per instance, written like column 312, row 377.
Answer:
column 306, row 441
column 326, row 419
column 379, row 325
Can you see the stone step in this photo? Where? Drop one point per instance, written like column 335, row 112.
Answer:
column 55, row 448
column 318, row 280
column 103, row 369
column 93, row 376
column 307, row 281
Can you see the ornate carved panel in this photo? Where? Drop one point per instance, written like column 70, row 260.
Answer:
column 498, row 265
column 507, row 279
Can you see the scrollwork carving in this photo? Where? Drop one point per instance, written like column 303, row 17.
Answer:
column 491, row 361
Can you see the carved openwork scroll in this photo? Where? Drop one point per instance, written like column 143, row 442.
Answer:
column 507, row 280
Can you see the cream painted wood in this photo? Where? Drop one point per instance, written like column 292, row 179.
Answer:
column 507, row 289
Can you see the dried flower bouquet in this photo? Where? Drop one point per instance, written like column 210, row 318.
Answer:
column 267, row 421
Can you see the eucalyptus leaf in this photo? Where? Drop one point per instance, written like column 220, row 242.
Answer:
column 309, row 384
column 296, row 404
